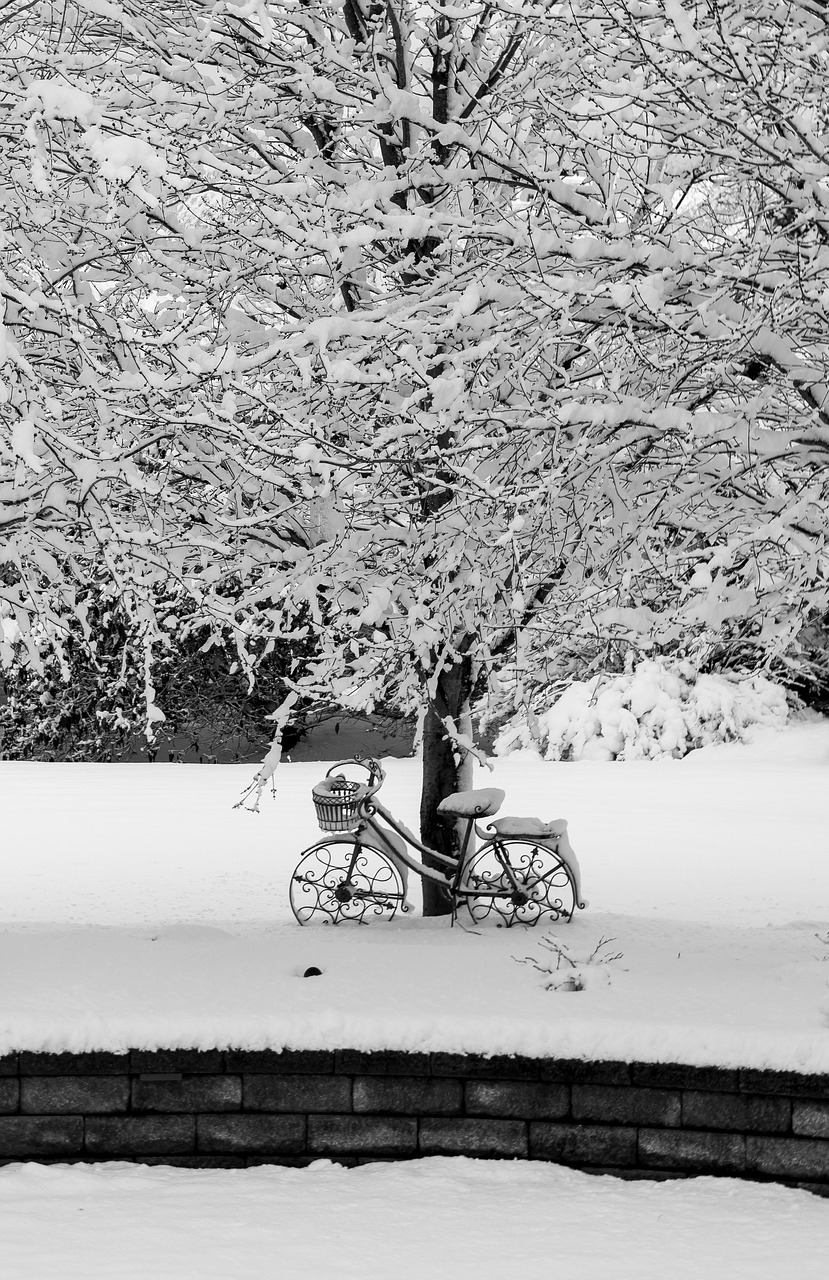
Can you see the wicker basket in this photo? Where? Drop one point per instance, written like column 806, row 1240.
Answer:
column 336, row 801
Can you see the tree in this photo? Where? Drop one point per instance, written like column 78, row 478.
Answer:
column 453, row 334
column 94, row 699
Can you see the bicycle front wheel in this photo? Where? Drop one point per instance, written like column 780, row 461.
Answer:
column 343, row 879
column 517, row 881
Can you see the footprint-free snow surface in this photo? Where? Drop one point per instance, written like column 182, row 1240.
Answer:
column 437, row 1217
column 139, row 908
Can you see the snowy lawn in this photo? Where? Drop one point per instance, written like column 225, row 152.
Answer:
column 436, row 1217
column 139, row 909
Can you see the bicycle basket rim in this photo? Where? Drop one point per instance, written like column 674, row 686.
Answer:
column 340, row 790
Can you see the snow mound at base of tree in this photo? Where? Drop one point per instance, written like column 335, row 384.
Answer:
column 651, row 712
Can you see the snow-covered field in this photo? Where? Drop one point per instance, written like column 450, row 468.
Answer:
column 438, row 1217
column 138, row 908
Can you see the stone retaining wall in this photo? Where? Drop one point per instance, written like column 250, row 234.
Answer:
column 240, row 1107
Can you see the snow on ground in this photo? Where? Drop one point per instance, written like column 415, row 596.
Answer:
column 140, row 909
column 439, row 1217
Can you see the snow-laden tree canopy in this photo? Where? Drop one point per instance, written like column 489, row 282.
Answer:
column 504, row 321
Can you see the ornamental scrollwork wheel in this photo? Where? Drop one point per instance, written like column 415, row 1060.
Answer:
column 518, row 881
column 342, row 879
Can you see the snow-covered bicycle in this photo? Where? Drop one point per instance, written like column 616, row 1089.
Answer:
column 523, row 872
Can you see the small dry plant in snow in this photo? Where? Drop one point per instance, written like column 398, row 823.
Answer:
column 567, row 972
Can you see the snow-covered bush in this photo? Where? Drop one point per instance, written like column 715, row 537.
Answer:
column 656, row 709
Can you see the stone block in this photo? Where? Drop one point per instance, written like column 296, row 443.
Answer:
column 8, row 1064
column 251, row 1134
column 281, row 1062
column 191, row 1093
column 296, row 1093
column 522, row 1099
column 799, row 1158
column 9, row 1095
column 123, row 1136
column 691, row 1151
column 170, row 1061
column 73, row 1064
column 575, row 1071
column 29, row 1137
column 811, row 1119
column 387, row 1062
column 632, row 1105
column 676, row 1075
column 583, row 1144
column 501, row 1066
column 82, row 1095
column 744, row 1112
column 362, row 1135
column 415, row 1095
column 468, row 1137
column 793, row 1083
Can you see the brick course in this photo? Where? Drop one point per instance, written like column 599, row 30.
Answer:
column 811, row 1119
column 234, row 1107
column 296, row 1093
column 260, row 1134
column 362, row 1135
column 84, row 1095
column 27, row 1137
column 400, row 1095
column 140, row 1135
column 626, row 1106
column 583, row 1144
column 190, row 1093
column 791, row 1082
column 389, row 1062
column 572, row 1071
column 72, row 1064
column 698, row 1152
column 189, row 1061
column 745, row 1112
column 676, row 1075
column 476, row 1065
column 524, row 1099
column 9, row 1095
column 796, row 1158
column 492, row 1138
column 280, row 1061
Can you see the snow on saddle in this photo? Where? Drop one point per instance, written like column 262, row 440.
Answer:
column 552, row 834
column 482, row 803
column 530, row 828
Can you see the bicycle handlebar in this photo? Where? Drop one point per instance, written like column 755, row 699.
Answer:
column 377, row 774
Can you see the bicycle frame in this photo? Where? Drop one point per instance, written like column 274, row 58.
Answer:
column 367, row 812
column 452, row 883
column 513, row 877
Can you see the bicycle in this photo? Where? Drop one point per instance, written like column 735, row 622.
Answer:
column 525, row 871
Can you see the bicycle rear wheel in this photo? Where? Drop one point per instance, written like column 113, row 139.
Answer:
column 343, row 879
column 517, row 881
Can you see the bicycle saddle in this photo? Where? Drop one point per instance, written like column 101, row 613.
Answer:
column 530, row 828
column 482, row 803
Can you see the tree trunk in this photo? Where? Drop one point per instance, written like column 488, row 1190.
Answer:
column 445, row 771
